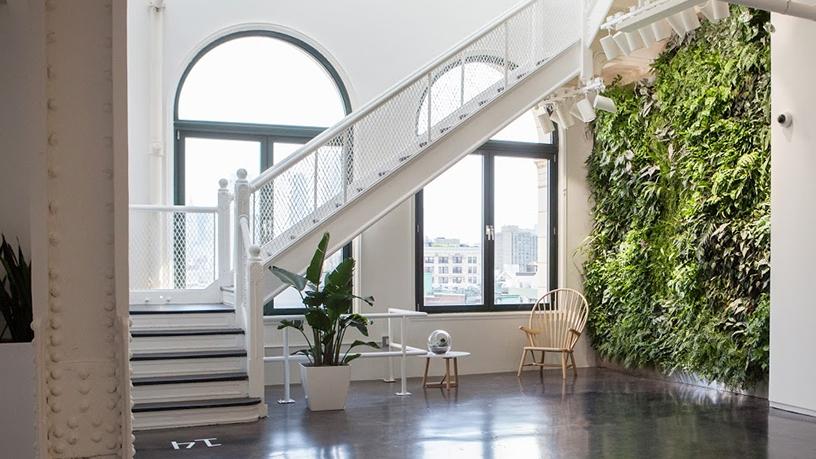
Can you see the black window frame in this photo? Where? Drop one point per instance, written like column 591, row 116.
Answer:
column 489, row 151
column 266, row 134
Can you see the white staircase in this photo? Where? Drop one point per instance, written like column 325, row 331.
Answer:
column 189, row 366
column 203, row 363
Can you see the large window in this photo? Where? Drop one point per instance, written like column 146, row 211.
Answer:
column 248, row 101
column 492, row 216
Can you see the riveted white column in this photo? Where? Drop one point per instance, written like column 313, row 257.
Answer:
column 84, row 335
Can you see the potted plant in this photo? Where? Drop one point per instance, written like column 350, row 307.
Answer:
column 328, row 304
column 15, row 295
column 16, row 353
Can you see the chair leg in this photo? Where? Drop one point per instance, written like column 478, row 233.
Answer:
column 541, row 361
column 574, row 368
column 563, row 365
column 521, row 362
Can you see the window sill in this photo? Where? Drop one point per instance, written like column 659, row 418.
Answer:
column 446, row 316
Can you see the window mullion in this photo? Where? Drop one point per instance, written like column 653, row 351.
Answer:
column 488, row 244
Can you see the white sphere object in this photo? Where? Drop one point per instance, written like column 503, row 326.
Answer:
column 439, row 342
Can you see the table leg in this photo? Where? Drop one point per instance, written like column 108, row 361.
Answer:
column 456, row 372
column 425, row 376
column 447, row 374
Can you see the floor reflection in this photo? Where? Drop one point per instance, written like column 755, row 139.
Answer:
column 602, row 413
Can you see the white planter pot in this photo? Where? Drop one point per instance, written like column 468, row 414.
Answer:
column 17, row 400
column 326, row 388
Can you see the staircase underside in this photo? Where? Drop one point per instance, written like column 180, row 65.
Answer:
column 412, row 176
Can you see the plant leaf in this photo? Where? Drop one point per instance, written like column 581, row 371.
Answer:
column 316, row 266
column 289, row 278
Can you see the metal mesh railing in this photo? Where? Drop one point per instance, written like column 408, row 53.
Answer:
column 172, row 248
column 348, row 159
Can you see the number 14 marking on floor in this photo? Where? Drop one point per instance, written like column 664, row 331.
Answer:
column 189, row 444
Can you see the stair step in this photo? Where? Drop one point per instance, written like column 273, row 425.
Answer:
column 221, row 353
column 185, row 332
column 214, row 308
column 194, row 404
column 186, row 379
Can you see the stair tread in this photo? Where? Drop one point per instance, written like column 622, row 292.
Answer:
column 195, row 404
column 143, row 333
column 203, row 308
column 184, row 379
column 174, row 355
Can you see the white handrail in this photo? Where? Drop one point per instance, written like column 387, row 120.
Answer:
column 392, row 312
column 404, row 351
column 162, row 208
column 385, row 96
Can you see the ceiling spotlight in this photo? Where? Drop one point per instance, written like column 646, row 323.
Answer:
column 562, row 114
column 647, row 36
column 545, row 124
column 620, row 40
column 610, row 47
column 719, row 10
column 605, row 104
column 677, row 24
column 634, row 41
column 583, row 110
column 690, row 19
column 661, row 29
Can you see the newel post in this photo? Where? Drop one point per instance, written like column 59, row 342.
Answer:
column 223, row 233
column 242, row 206
column 255, row 328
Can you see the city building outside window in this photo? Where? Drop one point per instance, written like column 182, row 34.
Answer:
column 495, row 208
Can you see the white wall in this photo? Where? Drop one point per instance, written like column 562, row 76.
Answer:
column 793, row 217
column 22, row 209
column 20, row 61
column 373, row 45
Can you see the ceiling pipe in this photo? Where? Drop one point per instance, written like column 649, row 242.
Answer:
column 642, row 16
column 787, row 7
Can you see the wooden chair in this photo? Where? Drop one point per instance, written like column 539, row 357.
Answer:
column 556, row 322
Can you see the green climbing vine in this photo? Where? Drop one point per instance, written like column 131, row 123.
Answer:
column 678, row 262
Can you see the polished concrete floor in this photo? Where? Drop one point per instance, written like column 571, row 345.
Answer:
column 602, row 413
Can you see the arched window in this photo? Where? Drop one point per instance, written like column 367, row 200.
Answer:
column 249, row 100
column 486, row 226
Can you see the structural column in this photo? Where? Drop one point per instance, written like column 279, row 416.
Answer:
column 82, row 336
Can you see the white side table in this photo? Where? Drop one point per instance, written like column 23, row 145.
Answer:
column 447, row 381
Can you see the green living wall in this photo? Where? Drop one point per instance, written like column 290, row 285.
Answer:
column 678, row 262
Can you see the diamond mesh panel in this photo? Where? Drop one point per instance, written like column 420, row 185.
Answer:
column 294, row 200
column 172, row 250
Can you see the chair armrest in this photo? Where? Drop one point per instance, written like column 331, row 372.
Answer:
column 529, row 331
column 574, row 331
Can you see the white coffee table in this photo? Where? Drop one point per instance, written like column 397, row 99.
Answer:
column 447, row 381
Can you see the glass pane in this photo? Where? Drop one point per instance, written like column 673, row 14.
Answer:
column 290, row 298
column 522, row 129
column 448, row 94
column 260, row 80
column 282, row 150
column 208, row 160
column 452, row 220
column 521, row 250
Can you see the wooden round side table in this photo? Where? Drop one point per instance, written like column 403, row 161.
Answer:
column 447, row 381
